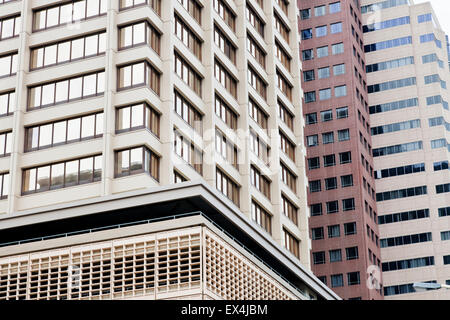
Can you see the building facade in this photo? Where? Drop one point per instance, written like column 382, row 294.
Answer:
column 340, row 170
column 103, row 97
column 407, row 78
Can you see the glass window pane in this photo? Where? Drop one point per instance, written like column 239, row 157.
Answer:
column 77, row 48
column 73, row 129
column 98, row 168
column 139, row 33
column 86, row 170
column 62, row 91
column 124, row 118
column 100, row 82
column 59, row 132
column 92, row 8
column 75, row 88
column 48, row 94
column 45, row 135
column 123, row 162
column 89, row 85
column 126, row 36
column 5, row 188
column 71, row 173
column 79, row 10
column 137, row 116
column 136, row 159
column 91, row 45
column 50, row 55
column 43, row 178
column 66, row 13
column 57, row 176
column 87, row 128
column 37, row 58
column 138, row 74
column 29, row 183
column 52, row 17
column 125, row 77
column 64, row 52
column 99, row 124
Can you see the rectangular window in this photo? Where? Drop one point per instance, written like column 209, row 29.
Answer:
column 10, row 27
column 334, row 231
column 192, row 41
column 317, row 233
column 226, row 149
column 337, row 280
column 4, row 185
column 348, row 204
column 7, row 101
column 311, row 118
column 224, row 112
column 227, row 186
column 353, row 278
column 281, row 28
column 261, row 217
column 335, row 255
column 332, row 207
column 283, row 85
column 345, row 157
column 188, row 112
column 8, row 65
column 191, row 6
column 337, row 48
column 257, row 114
column 319, row 257
column 259, row 181
column 139, row 33
column 289, row 209
column 291, row 243
column 315, row 209
column 286, row 116
column 257, row 83
column 154, row 4
column 283, row 56
column 139, row 74
column 62, row 175
column 63, row 132
column 312, row 141
column 225, row 78
column 186, row 73
column 259, row 147
column 287, row 146
column 329, row 160
column 330, row 183
column 289, row 178
column 350, row 228
column 255, row 20
column 189, row 152
column 67, row 13
column 256, row 51
column 313, row 163
column 136, row 161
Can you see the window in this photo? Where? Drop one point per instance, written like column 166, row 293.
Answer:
column 256, row 51
column 311, row 118
column 330, row 183
column 64, row 132
column 189, row 76
column 313, row 163
column 391, row 85
column 227, row 186
column 255, row 20
column 310, row 97
column 8, row 65
column 316, row 209
column 353, row 278
column 325, row 94
column 386, row 24
column 4, row 186
column 328, row 137
column 319, row 257
column 340, row 91
column 322, row 52
column 444, row 212
column 406, row 240
column 259, row 147
column 347, row 181
column 285, row 115
column 291, row 243
column 224, row 112
column 289, row 178
column 323, row 73
column 7, row 101
column 226, row 149
column 281, row 27
column 329, row 160
column 139, row 74
column 312, row 140
column 337, row 280
column 443, row 188
column 261, row 217
column 337, row 48
column 287, row 146
column 445, row 235
column 178, row 178
column 351, row 253
column 391, row 64
column 342, row 113
column 399, row 171
column 344, row 135
column 339, row 69
column 187, row 36
column 326, row 115
column 345, row 157
column 320, row 11
column 335, row 255
column 307, row 54
column 332, row 207
column 257, row 83
column 441, row 165
column 407, row 264
column 394, row 127
column 136, row 161
column 187, row 112
column 334, row 231
column 407, row 147
column 350, row 228
column 402, row 193
column 308, row 75
column 283, row 56
column 396, row 105
column 224, row 12
column 63, row 91
column 62, row 175
column 284, row 85
column 388, row 44
column 306, row 34
column 315, row 186
column 317, row 233
column 348, row 204
column 188, row 151
column 289, row 209
column 10, row 27
column 259, row 181
column 142, row 33
column 154, row 4
column 305, row 14
column 5, row 144
column 336, row 27
column 73, row 11
column 404, row 216
column 335, row 7
column 321, row 31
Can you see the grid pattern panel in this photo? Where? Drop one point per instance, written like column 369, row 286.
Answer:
column 233, row 277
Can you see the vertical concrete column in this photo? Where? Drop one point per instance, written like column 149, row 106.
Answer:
column 20, row 107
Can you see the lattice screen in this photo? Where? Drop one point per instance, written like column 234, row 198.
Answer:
column 156, row 266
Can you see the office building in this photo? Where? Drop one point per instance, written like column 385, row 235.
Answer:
column 102, row 100
column 407, row 79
